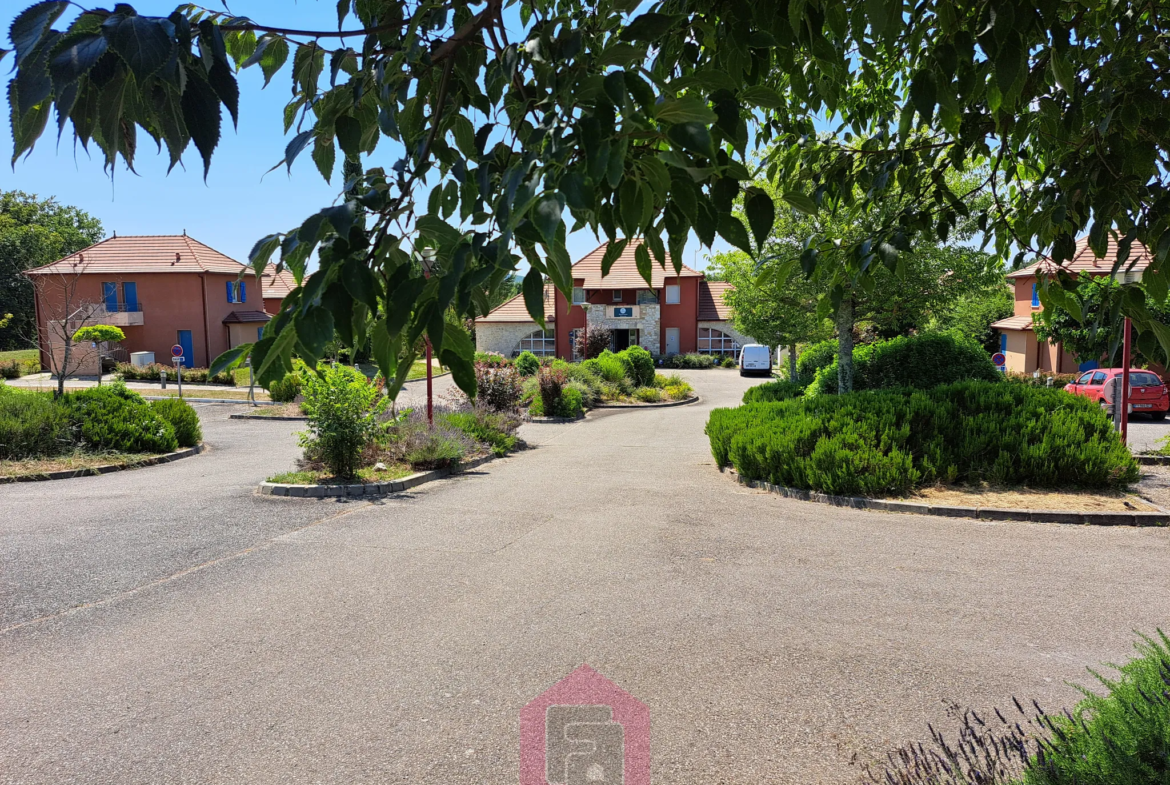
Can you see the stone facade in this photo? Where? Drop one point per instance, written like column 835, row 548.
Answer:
column 648, row 323
column 502, row 337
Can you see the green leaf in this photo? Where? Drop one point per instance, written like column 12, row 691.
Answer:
column 800, row 202
column 619, row 53
column 684, row 110
column 75, row 60
column 360, row 283
column 262, row 251
column 384, row 347
column 533, row 287
column 314, row 329
column 642, row 260
column 31, row 23
column 649, row 26
column 924, row 94
column 694, row 137
column 1009, row 63
column 341, row 217
column 760, row 214
column 546, row 214
column 295, row 146
column 630, row 198
column 731, row 230
column 1062, row 72
column 1162, row 332
column 324, row 155
column 577, row 190
column 764, row 97
column 462, row 369
column 349, row 135
column 275, row 56
column 142, row 42
column 612, row 252
column 615, row 88
column 229, row 359
column 201, row 115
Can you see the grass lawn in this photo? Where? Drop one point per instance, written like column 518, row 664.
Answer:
column 392, row 472
column 417, row 371
column 30, row 359
column 76, row 460
column 279, row 410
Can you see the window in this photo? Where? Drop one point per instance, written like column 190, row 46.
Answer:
column 130, row 296
column 1144, row 380
column 617, row 295
column 1085, row 379
column 542, row 343
column 712, row 341
column 647, row 297
column 673, row 294
column 578, row 295
column 1098, row 378
column 237, row 292
column 110, row 296
column 1035, row 297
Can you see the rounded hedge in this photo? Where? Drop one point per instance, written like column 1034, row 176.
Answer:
column 32, row 425
column 286, row 389
column 882, row 442
column 813, row 358
column 779, row 390
column 115, row 418
column 639, row 366
column 184, row 420
column 526, row 364
column 921, row 361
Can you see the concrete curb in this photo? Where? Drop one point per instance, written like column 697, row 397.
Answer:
column 660, row 405
column 1153, row 460
column 69, row 474
column 262, row 417
column 366, row 490
column 980, row 513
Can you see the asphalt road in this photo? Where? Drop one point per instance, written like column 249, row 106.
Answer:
column 198, row 633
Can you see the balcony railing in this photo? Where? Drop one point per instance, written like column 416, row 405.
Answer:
column 123, row 307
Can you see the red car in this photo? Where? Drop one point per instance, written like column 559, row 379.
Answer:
column 1147, row 393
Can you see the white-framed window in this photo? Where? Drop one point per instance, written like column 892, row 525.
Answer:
column 578, row 295
column 542, row 343
column 673, row 294
column 712, row 341
column 647, row 297
column 617, row 295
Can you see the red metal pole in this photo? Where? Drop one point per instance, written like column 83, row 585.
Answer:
column 1125, row 382
column 430, row 401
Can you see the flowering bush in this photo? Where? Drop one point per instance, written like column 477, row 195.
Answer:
column 498, row 387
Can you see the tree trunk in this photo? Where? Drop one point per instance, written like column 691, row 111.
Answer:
column 64, row 364
column 845, row 346
column 792, row 363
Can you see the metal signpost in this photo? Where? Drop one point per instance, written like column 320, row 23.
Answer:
column 999, row 360
column 177, row 359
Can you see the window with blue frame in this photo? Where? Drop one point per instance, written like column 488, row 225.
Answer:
column 1035, row 297
column 130, row 296
column 110, row 296
column 237, row 292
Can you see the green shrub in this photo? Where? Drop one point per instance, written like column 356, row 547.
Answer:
column 342, row 408
column 115, row 418
column 779, row 390
column 648, row 394
column 813, row 358
column 498, row 387
column 921, row 361
column 152, row 372
column 11, row 370
column 571, row 404
column 590, row 395
column 608, row 367
column 892, row 441
column 728, row 362
column 638, row 364
column 692, row 360
column 526, row 364
column 552, row 383
column 1122, row 736
column 182, row 418
column 286, row 389
column 492, row 359
column 1059, row 380
column 32, row 425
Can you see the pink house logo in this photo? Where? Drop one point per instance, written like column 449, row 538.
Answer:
column 585, row 730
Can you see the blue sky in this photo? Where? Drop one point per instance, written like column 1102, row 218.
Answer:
column 239, row 203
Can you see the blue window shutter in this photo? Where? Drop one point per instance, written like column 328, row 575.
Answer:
column 259, row 333
column 1035, row 297
column 1003, row 342
column 110, row 295
column 230, row 292
column 243, row 291
column 130, row 296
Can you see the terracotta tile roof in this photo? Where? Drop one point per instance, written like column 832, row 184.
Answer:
column 1014, row 323
column 624, row 273
column 514, row 310
column 277, row 285
column 712, row 306
column 1084, row 261
column 244, row 317
column 145, row 254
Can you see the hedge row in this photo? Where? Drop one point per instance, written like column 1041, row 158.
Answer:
column 892, row 441
column 921, row 361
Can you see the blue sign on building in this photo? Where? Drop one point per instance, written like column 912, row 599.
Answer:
column 623, row 311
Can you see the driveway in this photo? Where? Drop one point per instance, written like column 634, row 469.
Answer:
column 306, row 641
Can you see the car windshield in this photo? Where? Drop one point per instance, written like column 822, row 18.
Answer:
column 1145, row 380
column 1085, row 378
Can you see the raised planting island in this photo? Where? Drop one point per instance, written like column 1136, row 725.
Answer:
column 894, row 442
column 91, row 431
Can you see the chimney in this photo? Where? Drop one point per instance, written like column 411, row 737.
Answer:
column 178, row 257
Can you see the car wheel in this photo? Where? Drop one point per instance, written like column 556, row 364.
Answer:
column 1157, row 416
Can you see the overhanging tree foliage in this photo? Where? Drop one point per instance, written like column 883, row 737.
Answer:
column 1098, row 334
column 582, row 112
column 638, row 126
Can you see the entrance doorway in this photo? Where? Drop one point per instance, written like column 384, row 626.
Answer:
column 671, row 340
column 623, row 339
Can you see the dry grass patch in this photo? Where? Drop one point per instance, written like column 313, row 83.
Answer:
column 71, row 462
column 1033, row 499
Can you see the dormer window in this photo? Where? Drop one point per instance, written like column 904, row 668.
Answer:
column 237, row 292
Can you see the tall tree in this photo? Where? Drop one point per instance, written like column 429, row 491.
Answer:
column 34, row 232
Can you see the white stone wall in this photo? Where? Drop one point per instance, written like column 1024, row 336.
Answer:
column 648, row 322
column 502, row 337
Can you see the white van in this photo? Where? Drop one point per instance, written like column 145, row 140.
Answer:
column 755, row 358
